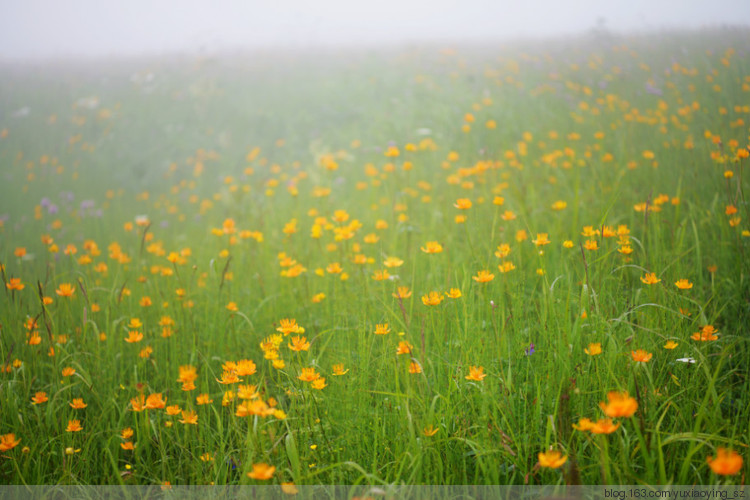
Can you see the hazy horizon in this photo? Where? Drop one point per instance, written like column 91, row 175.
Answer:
column 38, row 29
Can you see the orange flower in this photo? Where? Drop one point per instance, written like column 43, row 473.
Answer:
column 308, row 375
column 476, row 373
column 74, row 426
column 138, row 403
column 319, row 383
column 173, row 410
column 288, row 326
column 228, row 377
column 483, row 277
column 432, row 247
column 203, row 399
column 65, row 290
column 39, row 398
column 232, row 306
column 404, row 347
column 245, row 367
column 299, row 344
column 604, row 426
column 584, row 424
column 189, row 417
column 68, row 371
column 126, row 433
column 650, row 279
column 403, row 292
column 552, row 459
column 432, row 299
column 641, row 356
column 187, row 374
column 541, row 239
column 454, row 293
column 462, row 204
column 155, row 402
column 127, row 445
column 78, row 404
column 262, row 472
column 133, row 337
column 706, row 334
column 415, row 368
column 620, row 405
column 726, row 462
column 15, row 284
column 8, row 442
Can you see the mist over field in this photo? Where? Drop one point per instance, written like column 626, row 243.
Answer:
column 45, row 29
column 408, row 243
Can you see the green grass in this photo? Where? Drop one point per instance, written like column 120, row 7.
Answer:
column 634, row 135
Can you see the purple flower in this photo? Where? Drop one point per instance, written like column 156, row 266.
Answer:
column 530, row 349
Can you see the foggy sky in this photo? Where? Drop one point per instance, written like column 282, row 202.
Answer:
column 52, row 28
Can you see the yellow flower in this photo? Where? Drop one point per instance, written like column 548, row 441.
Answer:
column 403, row 292
column 552, row 459
column 415, row 368
column 319, row 383
column 430, row 431
column 432, row 299
column 308, row 375
column 671, row 344
column 541, row 239
column 381, row 275
column 594, row 349
column 393, row 262
column 454, row 293
column 382, row 329
column 338, row 370
column 683, row 284
column 650, row 279
column 432, row 247
column 483, row 276
column 288, row 326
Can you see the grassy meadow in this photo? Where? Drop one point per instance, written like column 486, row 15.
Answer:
column 502, row 264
